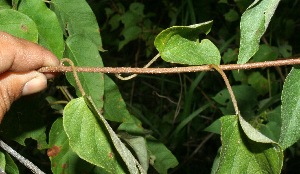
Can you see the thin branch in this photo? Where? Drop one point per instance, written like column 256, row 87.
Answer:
column 234, row 102
column 74, row 70
column 20, row 158
column 120, row 70
column 134, row 75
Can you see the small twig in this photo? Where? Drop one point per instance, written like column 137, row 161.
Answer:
column 236, row 109
column 120, row 70
column 74, row 70
column 20, row 158
column 134, row 75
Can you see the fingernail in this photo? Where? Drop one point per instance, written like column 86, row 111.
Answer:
column 35, row 85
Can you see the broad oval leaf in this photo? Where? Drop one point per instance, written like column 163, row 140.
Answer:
column 87, row 138
column 132, row 164
column 63, row 158
column 18, row 24
column 254, row 23
column 290, row 110
column 77, row 17
column 84, row 53
column 50, row 32
column 239, row 154
column 179, row 44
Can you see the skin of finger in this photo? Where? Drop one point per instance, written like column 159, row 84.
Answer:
column 20, row 55
column 12, row 84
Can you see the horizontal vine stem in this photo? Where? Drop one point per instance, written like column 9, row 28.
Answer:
column 120, row 70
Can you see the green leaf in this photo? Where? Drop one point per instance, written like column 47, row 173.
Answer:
column 76, row 17
column 7, row 164
column 231, row 16
column 11, row 167
column 132, row 164
column 62, row 157
column 50, row 37
column 290, row 109
column 254, row 23
column 88, row 138
column 114, row 105
column 84, row 53
column 285, row 50
column 161, row 158
column 252, row 133
column 215, row 127
column 265, row 53
column 246, row 98
column 229, row 56
column 2, row 161
column 179, row 44
column 259, row 83
column 18, row 24
column 130, row 34
column 131, row 20
column 272, row 128
column 249, row 156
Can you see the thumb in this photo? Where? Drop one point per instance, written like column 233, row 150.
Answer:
column 13, row 85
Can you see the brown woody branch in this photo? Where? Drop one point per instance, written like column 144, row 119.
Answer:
column 120, row 70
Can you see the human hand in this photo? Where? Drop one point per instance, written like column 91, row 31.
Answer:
column 19, row 60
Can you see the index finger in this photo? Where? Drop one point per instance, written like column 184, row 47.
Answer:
column 21, row 55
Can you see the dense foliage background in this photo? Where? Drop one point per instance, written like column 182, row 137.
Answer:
column 176, row 109
column 164, row 101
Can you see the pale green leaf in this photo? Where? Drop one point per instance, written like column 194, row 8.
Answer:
column 63, row 158
column 50, row 32
column 239, row 154
column 290, row 110
column 18, row 24
column 84, row 53
column 88, row 138
column 254, row 23
column 179, row 44
column 76, row 17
